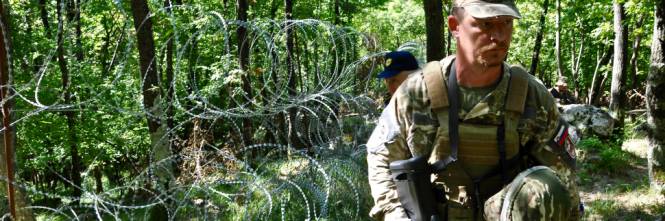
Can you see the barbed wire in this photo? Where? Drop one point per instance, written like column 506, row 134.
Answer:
column 213, row 173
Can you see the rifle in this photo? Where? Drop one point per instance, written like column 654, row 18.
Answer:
column 415, row 190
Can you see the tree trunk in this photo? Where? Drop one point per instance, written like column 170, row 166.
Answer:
column 151, row 90
column 557, row 46
column 449, row 35
column 191, row 69
column 636, row 54
column 75, row 167
column 336, row 6
column 16, row 196
column 274, row 6
column 44, row 16
column 243, row 57
column 77, row 18
column 618, row 97
column 99, row 184
column 169, row 72
column 73, row 16
column 535, row 58
column 109, row 30
column 597, row 82
column 656, row 102
column 575, row 63
column 292, row 84
column 170, row 82
column 434, row 29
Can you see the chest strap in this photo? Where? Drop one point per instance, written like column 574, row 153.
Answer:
column 436, row 88
column 453, row 120
column 517, row 90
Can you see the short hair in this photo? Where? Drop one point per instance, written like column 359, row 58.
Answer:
column 458, row 12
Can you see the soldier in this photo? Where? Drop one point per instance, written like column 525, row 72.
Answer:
column 561, row 92
column 398, row 66
column 495, row 146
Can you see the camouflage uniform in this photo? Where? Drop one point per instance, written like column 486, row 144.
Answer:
column 408, row 127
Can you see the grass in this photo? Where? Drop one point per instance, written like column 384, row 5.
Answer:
column 604, row 156
column 614, row 183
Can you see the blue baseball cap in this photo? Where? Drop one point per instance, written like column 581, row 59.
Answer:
column 396, row 62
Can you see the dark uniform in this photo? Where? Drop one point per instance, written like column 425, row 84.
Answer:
column 564, row 97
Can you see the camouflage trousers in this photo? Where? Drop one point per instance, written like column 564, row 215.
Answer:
column 535, row 194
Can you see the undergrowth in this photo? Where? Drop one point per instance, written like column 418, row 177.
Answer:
column 603, row 156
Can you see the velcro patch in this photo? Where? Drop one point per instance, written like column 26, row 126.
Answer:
column 424, row 119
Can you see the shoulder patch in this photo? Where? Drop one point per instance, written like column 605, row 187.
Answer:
column 562, row 144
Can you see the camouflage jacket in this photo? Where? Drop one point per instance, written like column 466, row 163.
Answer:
column 397, row 137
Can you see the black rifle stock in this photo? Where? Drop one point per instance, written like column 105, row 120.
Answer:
column 414, row 188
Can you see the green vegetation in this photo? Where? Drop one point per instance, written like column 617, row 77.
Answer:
column 607, row 155
column 614, row 183
column 266, row 125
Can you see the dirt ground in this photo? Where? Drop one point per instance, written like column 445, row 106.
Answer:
column 622, row 194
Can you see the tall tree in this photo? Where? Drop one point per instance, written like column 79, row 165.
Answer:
column 151, row 89
column 170, row 89
column 636, row 54
column 434, row 29
column 597, row 82
column 44, row 16
column 656, row 101
column 337, row 15
column 293, row 139
column 576, row 59
column 449, row 36
column 18, row 203
column 74, row 16
column 535, row 58
column 75, row 167
column 557, row 43
column 618, row 96
column 243, row 56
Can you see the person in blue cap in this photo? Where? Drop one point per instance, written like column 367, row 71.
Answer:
column 397, row 67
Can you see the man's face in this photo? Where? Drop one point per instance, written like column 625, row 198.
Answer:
column 562, row 87
column 392, row 83
column 483, row 42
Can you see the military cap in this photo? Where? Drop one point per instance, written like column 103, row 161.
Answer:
column 488, row 8
column 396, row 62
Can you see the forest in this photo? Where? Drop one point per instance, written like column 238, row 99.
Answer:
column 261, row 109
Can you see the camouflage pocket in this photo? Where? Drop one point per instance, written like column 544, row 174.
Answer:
column 421, row 134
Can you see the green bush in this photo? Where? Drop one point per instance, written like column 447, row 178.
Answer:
column 609, row 157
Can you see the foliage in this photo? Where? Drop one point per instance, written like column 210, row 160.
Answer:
column 610, row 156
column 309, row 164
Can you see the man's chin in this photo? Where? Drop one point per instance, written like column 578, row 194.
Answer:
column 490, row 63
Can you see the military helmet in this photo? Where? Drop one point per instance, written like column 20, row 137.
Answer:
column 541, row 185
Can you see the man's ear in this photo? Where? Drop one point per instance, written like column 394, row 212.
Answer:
column 453, row 25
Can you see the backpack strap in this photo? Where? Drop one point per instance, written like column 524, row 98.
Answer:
column 436, row 87
column 519, row 85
